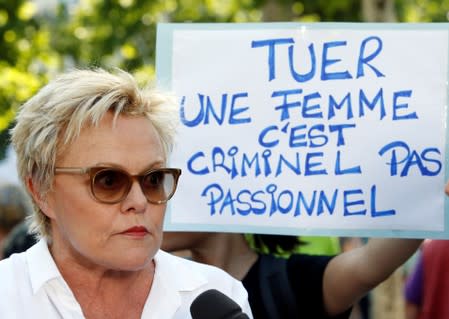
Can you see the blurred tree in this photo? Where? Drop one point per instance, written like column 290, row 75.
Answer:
column 26, row 59
column 122, row 33
column 37, row 43
column 422, row 10
column 378, row 11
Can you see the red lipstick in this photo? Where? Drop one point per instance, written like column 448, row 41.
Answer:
column 136, row 231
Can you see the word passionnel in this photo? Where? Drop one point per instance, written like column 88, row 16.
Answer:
column 271, row 200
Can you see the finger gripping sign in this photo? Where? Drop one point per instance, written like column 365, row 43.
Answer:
column 321, row 129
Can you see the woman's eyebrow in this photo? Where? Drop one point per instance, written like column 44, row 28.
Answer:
column 155, row 164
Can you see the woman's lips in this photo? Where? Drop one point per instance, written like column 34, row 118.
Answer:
column 137, row 231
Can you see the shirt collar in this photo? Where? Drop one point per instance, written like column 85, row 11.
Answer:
column 170, row 268
column 41, row 266
column 173, row 277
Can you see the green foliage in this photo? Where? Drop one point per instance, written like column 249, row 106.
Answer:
column 26, row 59
column 16, row 86
column 327, row 11
column 423, row 10
column 122, row 33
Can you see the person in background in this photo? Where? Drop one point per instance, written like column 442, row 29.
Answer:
column 309, row 245
column 427, row 287
column 92, row 150
column 14, row 208
column 301, row 286
column 361, row 309
column 319, row 245
column 19, row 239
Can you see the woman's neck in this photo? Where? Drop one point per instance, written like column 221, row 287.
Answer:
column 103, row 292
column 228, row 251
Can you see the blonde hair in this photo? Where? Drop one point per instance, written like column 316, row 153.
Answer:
column 54, row 117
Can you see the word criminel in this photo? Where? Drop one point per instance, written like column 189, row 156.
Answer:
column 266, row 163
column 272, row 200
column 233, row 108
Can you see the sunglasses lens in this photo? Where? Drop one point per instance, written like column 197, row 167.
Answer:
column 158, row 185
column 109, row 185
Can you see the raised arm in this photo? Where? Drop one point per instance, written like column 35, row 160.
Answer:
column 352, row 274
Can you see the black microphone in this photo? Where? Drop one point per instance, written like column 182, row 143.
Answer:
column 213, row 304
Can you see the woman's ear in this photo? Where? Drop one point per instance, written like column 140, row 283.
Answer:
column 37, row 197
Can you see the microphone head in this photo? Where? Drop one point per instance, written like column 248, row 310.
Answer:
column 213, row 304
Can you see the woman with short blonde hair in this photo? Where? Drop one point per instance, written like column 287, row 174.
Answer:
column 54, row 118
column 92, row 150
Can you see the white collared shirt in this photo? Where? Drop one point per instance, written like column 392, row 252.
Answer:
column 31, row 286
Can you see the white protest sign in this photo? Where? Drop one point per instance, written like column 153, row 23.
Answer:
column 336, row 129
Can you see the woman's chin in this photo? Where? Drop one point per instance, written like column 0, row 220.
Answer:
column 133, row 263
column 127, row 261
